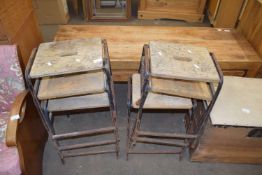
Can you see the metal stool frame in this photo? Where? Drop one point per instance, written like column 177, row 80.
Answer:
column 46, row 116
column 195, row 118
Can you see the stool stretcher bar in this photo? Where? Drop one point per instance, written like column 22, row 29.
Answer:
column 84, row 133
column 159, row 142
column 87, row 145
column 88, row 153
column 165, row 135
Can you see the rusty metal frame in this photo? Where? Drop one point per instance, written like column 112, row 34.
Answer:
column 47, row 117
column 195, row 119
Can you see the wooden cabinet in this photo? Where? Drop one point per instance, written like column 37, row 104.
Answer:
column 224, row 13
column 188, row 10
column 18, row 26
column 233, row 132
column 107, row 10
column 250, row 25
column 229, row 145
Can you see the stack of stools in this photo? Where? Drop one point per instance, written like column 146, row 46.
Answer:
column 72, row 75
column 175, row 77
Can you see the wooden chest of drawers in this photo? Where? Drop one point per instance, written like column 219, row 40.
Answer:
column 188, row 10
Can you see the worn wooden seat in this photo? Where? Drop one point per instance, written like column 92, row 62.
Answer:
column 79, row 102
column 239, row 103
column 157, row 101
column 65, row 86
column 189, row 89
column 66, row 57
column 178, row 61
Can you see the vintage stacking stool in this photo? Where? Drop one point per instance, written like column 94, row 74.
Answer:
column 73, row 75
column 172, row 76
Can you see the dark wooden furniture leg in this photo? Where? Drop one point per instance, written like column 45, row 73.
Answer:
column 27, row 134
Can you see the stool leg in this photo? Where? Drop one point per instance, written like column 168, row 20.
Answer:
column 115, row 122
column 181, row 153
column 33, row 89
column 111, row 96
column 46, row 118
column 129, row 105
column 56, row 143
column 128, row 131
column 137, row 124
column 116, row 134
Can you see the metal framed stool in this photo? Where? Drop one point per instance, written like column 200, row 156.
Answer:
column 82, row 80
column 156, row 88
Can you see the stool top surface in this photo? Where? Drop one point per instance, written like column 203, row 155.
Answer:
column 79, row 102
column 186, row 62
column 157, row 101
column 72, row 85
column 65, row 57
column 182, row 88
column 239, row 103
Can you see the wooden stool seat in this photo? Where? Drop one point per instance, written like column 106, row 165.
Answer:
column 189, row 89
column 65, row 57
column 157, row 101
column 79, row 102
column 72, row 85
column 239, row 103
column 178, row 61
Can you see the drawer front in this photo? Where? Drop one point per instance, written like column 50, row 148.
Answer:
column 174, row 5
column 239, row 73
